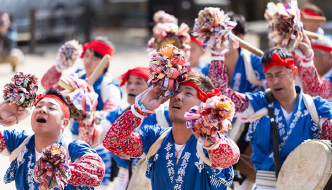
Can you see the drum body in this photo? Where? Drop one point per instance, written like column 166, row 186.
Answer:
column 307, row 167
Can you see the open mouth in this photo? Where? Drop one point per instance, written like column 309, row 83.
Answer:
column 176, row 106
column 41, row 120
column 132, row 95
column 277, row 89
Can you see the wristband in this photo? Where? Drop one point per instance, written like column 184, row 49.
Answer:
column 136, row 110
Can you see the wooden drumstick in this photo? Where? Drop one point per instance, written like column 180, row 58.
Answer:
column 313, row 19
column 311, row 35
column 99, row 69
column 249, row 47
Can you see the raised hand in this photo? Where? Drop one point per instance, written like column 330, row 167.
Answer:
column 153, row 97
column 305, row 47
column 11, row 114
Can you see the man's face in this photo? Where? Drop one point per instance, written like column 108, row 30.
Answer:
column 181, row 102
column 90, row 61
column 135, row 86
column 312, row 26
column 47, row 118
column 281, row 81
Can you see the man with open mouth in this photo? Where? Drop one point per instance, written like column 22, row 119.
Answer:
column 48, row 120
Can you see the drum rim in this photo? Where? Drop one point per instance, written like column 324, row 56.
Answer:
column 328, row 169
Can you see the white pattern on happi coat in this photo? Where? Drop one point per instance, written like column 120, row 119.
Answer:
column 31, row 180
column 170, row 163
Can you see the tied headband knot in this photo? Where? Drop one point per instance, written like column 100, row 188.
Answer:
column 278, row 61
column 202, row 95
column 62, row 104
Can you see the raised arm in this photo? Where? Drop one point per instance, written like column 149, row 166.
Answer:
column 51, row 78
column 121, row 140
column 219, row 77
column 312, row 84
column 218, row 73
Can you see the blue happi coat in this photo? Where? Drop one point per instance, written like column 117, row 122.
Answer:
column 300, row 128
column 188, row 174
column 21, row 169
column 239, row 80
column 151, row 120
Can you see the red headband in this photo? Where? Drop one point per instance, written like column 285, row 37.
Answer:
column 138, row 71
column 62, row 104
column 196, row 41
column 98, row 46
column 200, row 94
column 321, row 47
column 309, row 12
column 278, row 61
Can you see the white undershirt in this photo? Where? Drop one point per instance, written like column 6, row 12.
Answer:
column 38, row 155
column 286, row 115
column 178, row 151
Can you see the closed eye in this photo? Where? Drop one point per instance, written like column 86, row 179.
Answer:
column 189, row 93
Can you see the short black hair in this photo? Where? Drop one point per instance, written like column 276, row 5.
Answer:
column 56, row 92
column 202, row 81
column 241, row 23
column 282, row 52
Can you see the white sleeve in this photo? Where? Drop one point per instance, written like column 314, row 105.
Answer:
column 110, row 91
column 246, row 113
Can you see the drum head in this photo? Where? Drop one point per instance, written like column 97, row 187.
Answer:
column 307, row 167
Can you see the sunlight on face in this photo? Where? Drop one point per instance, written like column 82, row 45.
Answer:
column 181, row 102
column 90, row 61
column 281, row 81
column 47, row 118
column 135, row 86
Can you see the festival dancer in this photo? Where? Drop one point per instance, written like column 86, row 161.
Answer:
column 295, row 121
column 173, row 161
column 49, row 119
